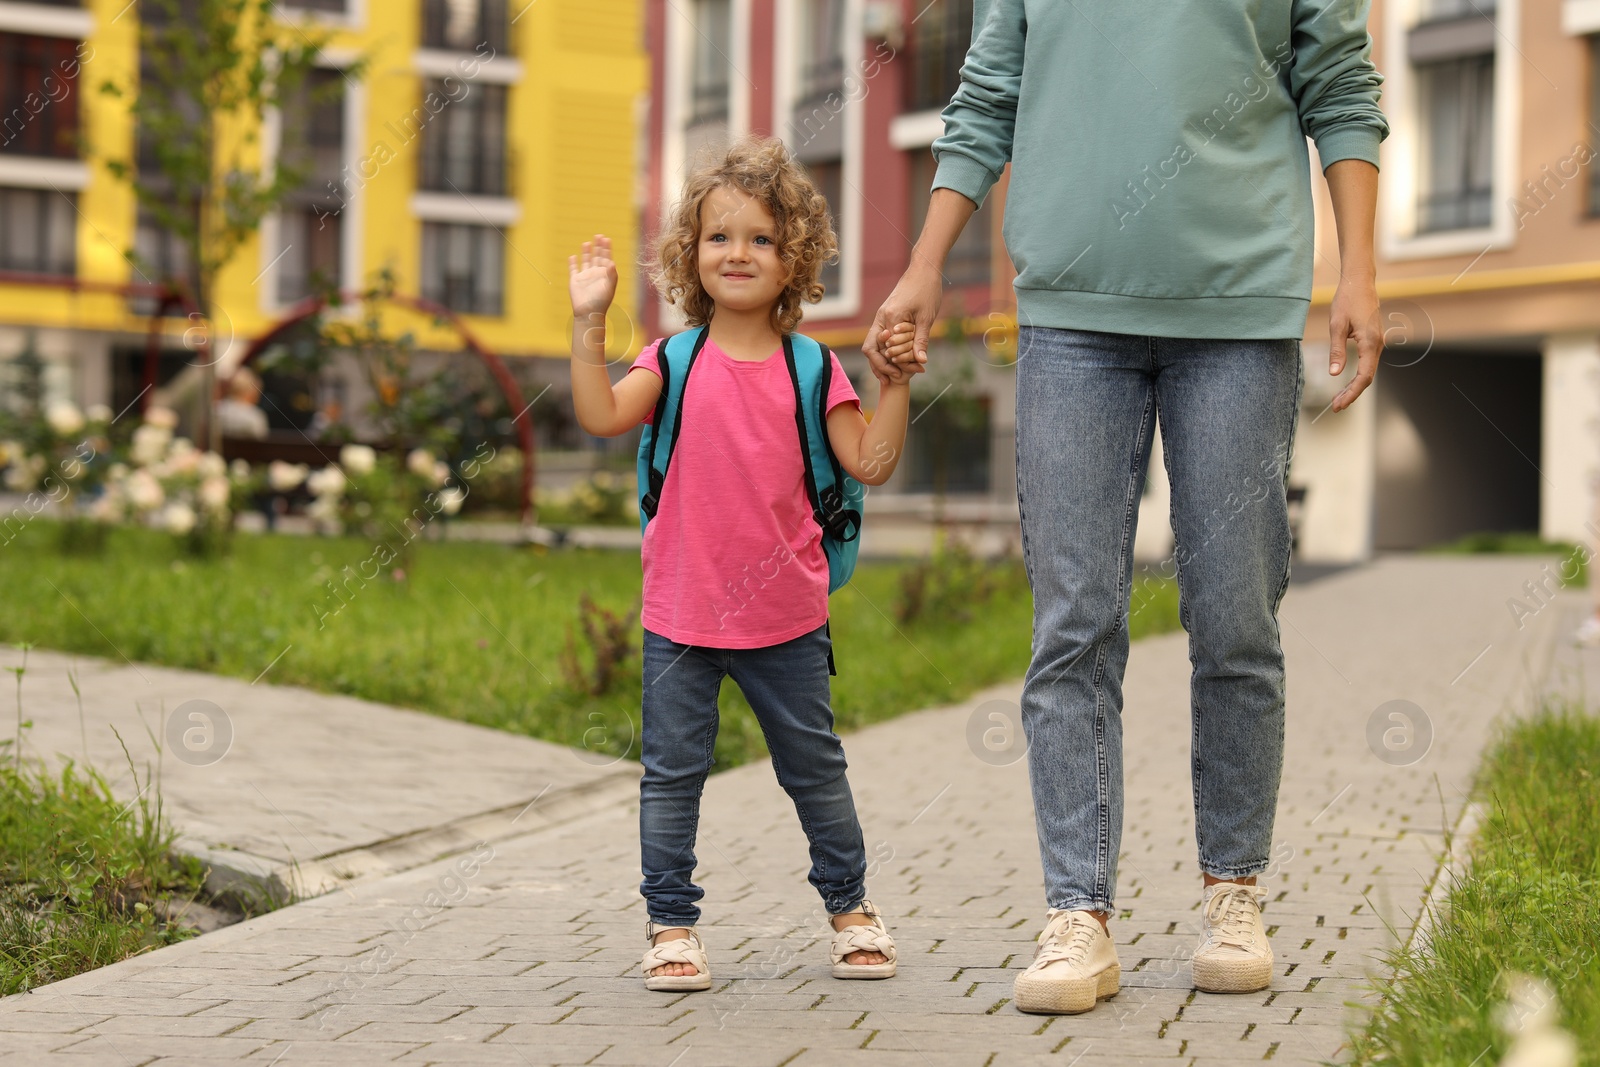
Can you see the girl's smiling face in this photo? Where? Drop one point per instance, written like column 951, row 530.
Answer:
column 738, row 252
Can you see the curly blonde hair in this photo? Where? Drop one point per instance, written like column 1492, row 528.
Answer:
column 762, row 168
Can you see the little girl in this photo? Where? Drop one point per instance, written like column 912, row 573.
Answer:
column 743, row 249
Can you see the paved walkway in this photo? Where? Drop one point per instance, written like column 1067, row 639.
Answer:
column 524, row 950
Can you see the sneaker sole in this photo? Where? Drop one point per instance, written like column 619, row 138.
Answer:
column 1065, row 996
column 1232, row 976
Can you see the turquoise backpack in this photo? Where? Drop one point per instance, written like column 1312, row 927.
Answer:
column 836, row 499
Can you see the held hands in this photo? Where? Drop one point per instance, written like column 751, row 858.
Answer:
column 592, row 278
column 914, row 304
column 897, row 344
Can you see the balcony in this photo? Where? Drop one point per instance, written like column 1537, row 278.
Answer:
column 466, row 25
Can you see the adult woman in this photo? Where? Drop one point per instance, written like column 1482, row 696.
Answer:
column 1159, row 216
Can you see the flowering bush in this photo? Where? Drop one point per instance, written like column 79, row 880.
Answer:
column 174, row 486
column 382, row 497
column 64, row 462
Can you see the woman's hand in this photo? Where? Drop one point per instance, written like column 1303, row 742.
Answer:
column 1354, row 319
column 592, row 278
column 914, row 302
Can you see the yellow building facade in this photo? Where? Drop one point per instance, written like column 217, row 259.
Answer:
column 480, row 143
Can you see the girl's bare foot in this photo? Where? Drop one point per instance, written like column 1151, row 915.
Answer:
column 858, row 959
column 676, row 970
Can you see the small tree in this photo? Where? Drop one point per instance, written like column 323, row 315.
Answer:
column 209, row 71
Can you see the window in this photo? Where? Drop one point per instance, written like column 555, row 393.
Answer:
column 1457, row 98
column 310, row 223
column 160, row 255
column 817, row 120
column 1594, row 121
column 713, row 44
column 948, row 450
column 971, row 259
column 940, row 38
column 464, row 145
column 38, row 231
column 821, row 49
column 829, row 178
column 465, row 25
column 463, row 267
column 38, row 96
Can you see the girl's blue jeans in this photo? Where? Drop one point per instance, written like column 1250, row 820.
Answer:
column 1087, row 405
column 787, row 687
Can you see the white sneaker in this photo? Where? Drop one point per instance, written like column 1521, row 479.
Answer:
column 1234, row 955
column 1589, row 633
column 1074, row 967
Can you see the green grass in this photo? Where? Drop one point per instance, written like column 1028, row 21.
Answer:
column 85, row 880
column 1529, row 903
column 1574, row 567
column 476, row 631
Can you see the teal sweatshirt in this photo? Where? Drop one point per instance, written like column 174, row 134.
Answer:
column 1160, row 181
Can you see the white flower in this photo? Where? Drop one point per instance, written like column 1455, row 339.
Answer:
column 98, row 413
column 117, row 471
column 150, row 444
column 144, row 492
column 182, row 460
column 440, row 474
column 178, row 517
column 239, row 470
column 357, row 460
column 327, row 482
column 164, row 418
column 420, row 463
column 285, row 476
column 451, row 499
column 211, row 465
column 214, row 493
column 64, row 418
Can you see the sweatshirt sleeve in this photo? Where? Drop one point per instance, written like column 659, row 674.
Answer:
column 982, row 116
column 1334, row 83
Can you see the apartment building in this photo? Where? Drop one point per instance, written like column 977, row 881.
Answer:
column 477, row 148
column 1487, row 409
column 1485, row 415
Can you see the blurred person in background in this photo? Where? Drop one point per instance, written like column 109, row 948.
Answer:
column 239, row 413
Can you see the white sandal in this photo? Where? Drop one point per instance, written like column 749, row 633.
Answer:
column 690, row 950
column 874, row 938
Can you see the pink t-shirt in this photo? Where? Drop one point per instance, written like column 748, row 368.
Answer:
column 733, row 557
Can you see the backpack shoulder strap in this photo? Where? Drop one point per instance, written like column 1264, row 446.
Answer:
column 676, row 358
column 802, row 372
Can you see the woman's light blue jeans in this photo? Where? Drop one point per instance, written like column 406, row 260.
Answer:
column 1087, row 405
column 787, row 687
